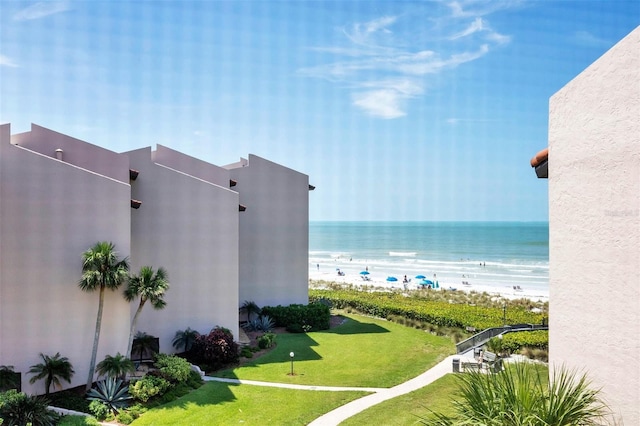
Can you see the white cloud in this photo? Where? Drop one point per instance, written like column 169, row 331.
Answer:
column 362, row 33
column 41, row 9
column 384, row 103
column 383, row 69
column 474, row 27
column 7, row 62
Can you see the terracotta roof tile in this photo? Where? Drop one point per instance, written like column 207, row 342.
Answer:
column 540, row 157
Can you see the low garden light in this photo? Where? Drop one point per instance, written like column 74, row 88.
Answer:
column 291, row 355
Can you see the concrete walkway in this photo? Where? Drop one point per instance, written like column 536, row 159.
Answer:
column 354, row 407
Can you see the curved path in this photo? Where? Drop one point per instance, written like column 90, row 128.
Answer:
column 379, row 395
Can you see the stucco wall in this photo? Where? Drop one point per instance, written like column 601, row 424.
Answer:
column 594, row 225
column 79, row 153
column 274, row 233
column 189, row 227
column 192, row 166
column 51, row 213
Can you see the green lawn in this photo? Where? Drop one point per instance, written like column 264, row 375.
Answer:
column 361, row 352
column 224, row 404
column 409, row 409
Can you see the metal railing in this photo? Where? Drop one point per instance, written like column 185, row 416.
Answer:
column 481, row 338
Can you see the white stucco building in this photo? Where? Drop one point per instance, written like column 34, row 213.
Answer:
column 594, row 226
column 59, row 196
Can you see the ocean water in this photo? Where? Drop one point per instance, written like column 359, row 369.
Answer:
column 474, row 254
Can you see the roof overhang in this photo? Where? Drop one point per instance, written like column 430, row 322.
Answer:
column 540, row 163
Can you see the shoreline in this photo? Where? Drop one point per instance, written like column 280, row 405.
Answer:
column 378, row 279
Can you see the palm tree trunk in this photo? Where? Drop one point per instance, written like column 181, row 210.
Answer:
column 133, row 327
column 96, row 339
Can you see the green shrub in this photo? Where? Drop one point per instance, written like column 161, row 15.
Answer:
column 267, row 340
column 125, row 418
column 173, row 368
column 514, row 342
column 148, row 387
column 99, row 409
column 246, row 352
column 311, row 317
column 194, row 381
column 18, row 409
column 216, row 349
column 424, row 309
column 70, row 400
column 78, row 421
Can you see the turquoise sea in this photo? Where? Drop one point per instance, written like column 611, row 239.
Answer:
column 495, row 254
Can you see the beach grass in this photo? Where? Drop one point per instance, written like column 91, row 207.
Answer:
column 362, row 352
column 418, row 407
column 224, row 403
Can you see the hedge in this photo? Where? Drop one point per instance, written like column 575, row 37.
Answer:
column 384, row 305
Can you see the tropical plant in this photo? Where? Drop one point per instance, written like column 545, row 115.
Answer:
column 115, row 366
column 495, row 345
column 215, row 349
column 263, row 323
column 9, row 379
column 111, row 392
column 520, row 396
column 101, row 270
column 250, row 308
column 184, row 339
column 52, row 369
column 143, row 343
column 148, row 285
column 19, row 409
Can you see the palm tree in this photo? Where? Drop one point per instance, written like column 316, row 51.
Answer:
column 115, row 366
column 101, row 270
column 184, row 339
column 249, row 307
column 149, row 286
column 520, row 395
column 9, row 379
column 51, row 369
column 142, row 343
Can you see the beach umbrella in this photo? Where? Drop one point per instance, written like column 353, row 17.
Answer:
column 392, row 279
column 426, row 282
column 364, row 273
column 420, row 277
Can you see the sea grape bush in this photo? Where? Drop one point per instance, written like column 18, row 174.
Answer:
column 513, row 342
column 439, row 313
column 299, row 318
column 215, row 349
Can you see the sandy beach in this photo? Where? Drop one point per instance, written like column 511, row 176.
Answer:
column 378, row 278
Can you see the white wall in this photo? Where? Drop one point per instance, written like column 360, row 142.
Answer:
column 189, row 227
column 51, row 212
column 274, row 232
column 594, row 225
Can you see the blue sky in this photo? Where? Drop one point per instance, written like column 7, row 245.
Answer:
column 396, row 110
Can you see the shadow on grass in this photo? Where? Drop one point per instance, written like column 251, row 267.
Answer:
column 302, row 344
column 353, row 326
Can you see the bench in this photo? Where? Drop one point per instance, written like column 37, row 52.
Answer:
column 489, row 357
